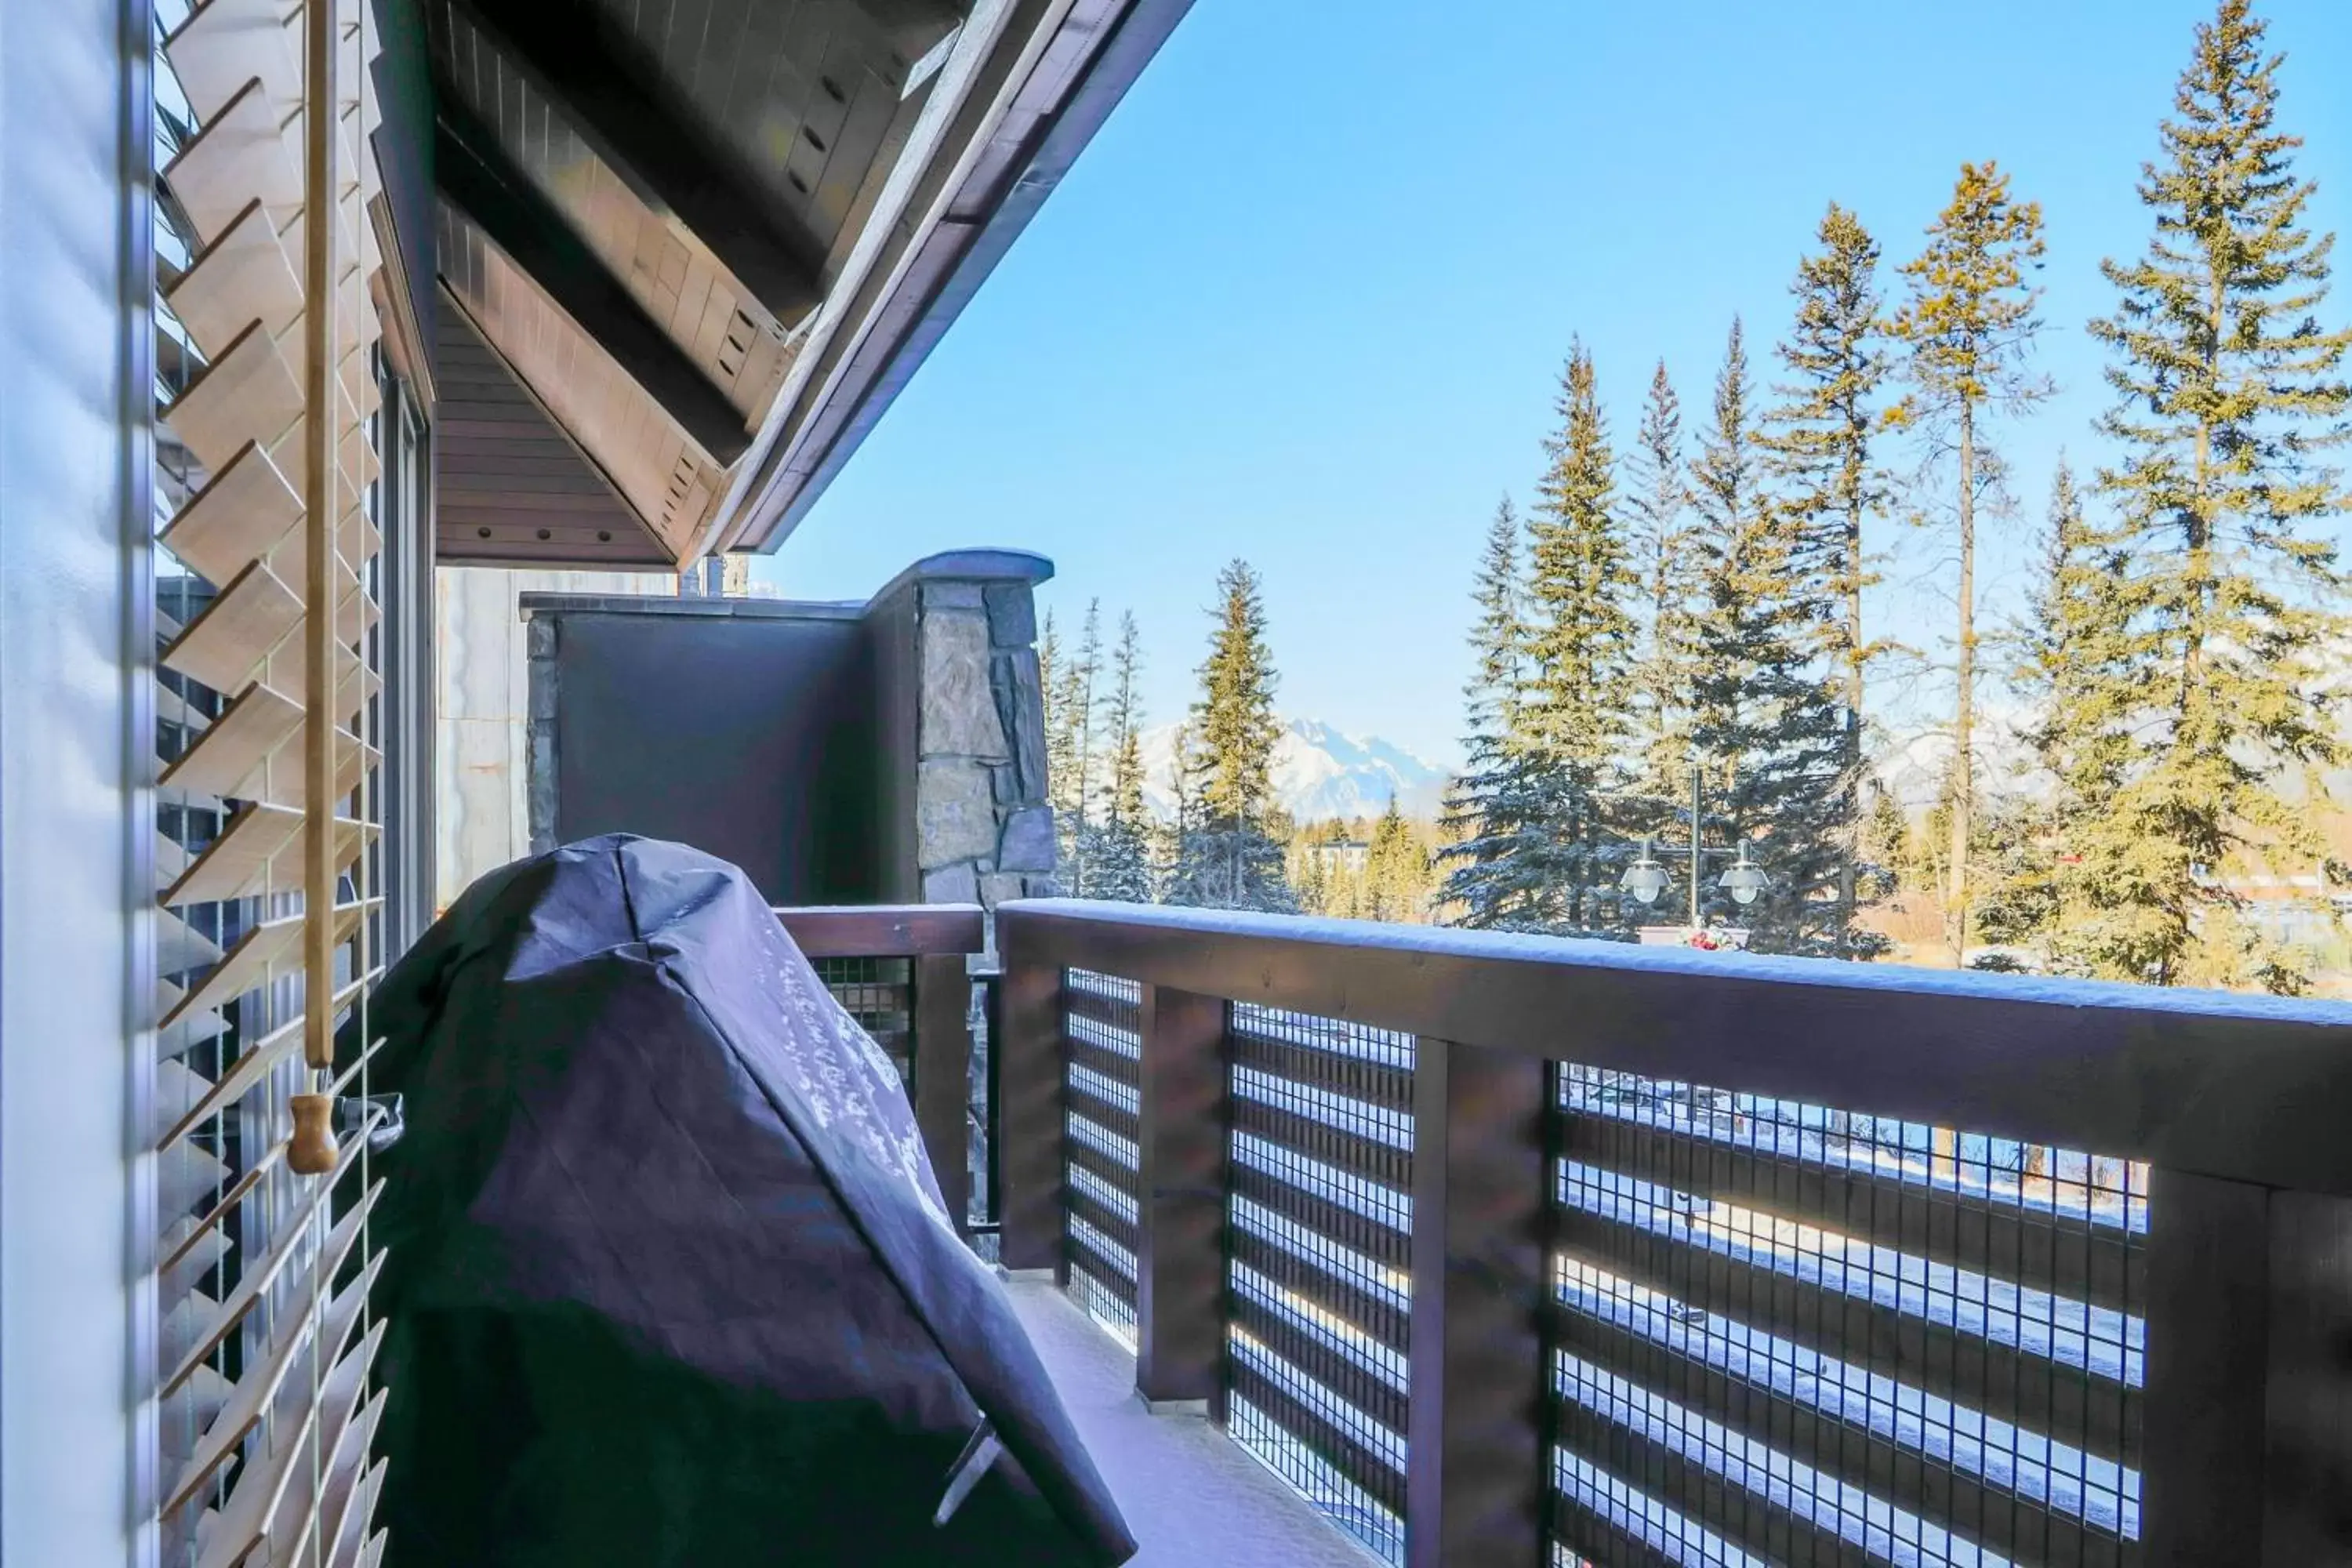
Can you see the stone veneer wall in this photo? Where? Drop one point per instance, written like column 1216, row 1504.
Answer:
column 984, row 831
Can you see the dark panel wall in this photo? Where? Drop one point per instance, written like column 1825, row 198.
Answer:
column 751, row 737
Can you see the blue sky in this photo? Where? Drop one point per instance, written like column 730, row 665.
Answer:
column 1306, row 298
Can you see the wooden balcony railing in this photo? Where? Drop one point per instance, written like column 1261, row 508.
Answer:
column 902, row 972
column 1510, row 1251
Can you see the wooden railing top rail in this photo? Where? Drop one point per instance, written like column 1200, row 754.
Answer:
column 2250, row 1089
column 886, row 930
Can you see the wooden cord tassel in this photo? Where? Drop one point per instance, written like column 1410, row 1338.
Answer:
column 312, row 1151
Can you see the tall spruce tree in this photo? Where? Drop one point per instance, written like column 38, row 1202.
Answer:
column 1172, row 843
column 2229, row 393
column 1885, row 840
column 1576, row 704
column 1061, row 761
column 1765, row 723
column 1232, row 856
column 1396, row 870
column 1079, row 704
column 2069, row 666
column 1661, row 560
column 1495, row 807
column 1119, row 862
column 1967, row 329
column 1821, row 441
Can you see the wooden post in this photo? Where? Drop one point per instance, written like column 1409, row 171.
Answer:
column 1180, row 1272
column 1475, row 1479
column 942, row 1060
column 1029, row 1074
column 2307, row 1455
column 2201, row 1480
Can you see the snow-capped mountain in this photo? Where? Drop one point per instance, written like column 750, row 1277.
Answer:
column 1912, row 763
column 1319, row 772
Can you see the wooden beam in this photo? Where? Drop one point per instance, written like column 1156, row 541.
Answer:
column 580, row 63
column 914, row 27
column 477, row 178
column 2246, row 1088
column 884, row 931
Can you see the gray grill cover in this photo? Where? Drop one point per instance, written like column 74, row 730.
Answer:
column 669, row 1281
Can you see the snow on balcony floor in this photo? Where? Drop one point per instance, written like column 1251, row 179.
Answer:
column 1189, row 1494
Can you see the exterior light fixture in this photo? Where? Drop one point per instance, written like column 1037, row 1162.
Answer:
column 1745, row 879
column 1645, row 879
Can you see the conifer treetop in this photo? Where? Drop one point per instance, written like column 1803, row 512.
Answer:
column 1971, row 312
column 2219, row 365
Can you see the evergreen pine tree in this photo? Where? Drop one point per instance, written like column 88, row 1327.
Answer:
column 1396, row 870
column 2020, row 902
column 1495, row 807
column 1575, row 706
column 1231, row 855
column 1120, row 861
column 1078, row 703
column 2068, row 661
column 1885, row 837
column 1819, row 440
column 2230, row 392
column 1308, row 871
column 1968, row 327
column 1061, row 759
column 1662, row 560
column 1171, row 843
column 1766, row 720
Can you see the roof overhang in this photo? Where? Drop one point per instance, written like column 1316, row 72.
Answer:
column 1046, row 110
column 709, row 281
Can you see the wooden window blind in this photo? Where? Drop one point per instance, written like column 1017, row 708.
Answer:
column 268, row 842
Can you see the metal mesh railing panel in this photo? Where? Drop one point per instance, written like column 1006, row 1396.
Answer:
column 1320, row 1222
column 879, row 993
column 1796, row 1334
column 1102, row 1024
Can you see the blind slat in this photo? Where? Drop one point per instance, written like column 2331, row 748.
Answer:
column 273, row 1493
column 246, row 1071
column 260, row 1385
column 257, row 1282
column 326, row 1507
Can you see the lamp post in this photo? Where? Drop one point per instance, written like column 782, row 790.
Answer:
column 1647, row 878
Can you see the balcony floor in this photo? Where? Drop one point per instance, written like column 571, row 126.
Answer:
column 1190, row 1495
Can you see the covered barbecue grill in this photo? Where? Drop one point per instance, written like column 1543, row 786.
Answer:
column 669, row 1279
